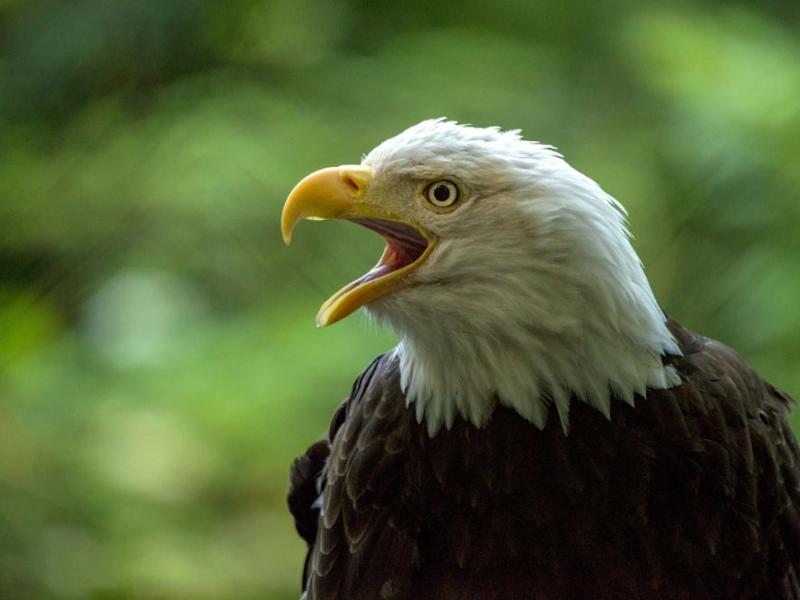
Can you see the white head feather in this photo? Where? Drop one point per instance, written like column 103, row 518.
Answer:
column 533, row 294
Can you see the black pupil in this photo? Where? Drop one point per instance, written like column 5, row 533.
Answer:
column 441, row 192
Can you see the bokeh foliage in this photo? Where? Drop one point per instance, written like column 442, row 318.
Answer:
column 159, row 367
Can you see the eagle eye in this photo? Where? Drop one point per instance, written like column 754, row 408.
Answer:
column 442, row 193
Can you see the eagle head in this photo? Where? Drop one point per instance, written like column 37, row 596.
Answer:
column 508, row 275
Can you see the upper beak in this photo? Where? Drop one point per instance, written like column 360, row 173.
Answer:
column 332, row 193
column 339, row 193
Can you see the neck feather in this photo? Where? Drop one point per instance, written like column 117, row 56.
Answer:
column 530, row 369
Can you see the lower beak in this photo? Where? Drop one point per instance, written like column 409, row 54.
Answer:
column 339, row 193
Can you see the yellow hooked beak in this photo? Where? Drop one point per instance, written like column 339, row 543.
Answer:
column 339, row 193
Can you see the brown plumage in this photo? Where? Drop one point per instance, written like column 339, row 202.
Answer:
column 692, row 493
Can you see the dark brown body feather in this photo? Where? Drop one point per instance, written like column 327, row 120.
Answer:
column 691, row 494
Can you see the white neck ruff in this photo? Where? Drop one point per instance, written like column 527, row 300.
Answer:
column 529, row 371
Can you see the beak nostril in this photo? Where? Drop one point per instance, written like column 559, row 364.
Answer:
column 352, row 184
column 355, row 178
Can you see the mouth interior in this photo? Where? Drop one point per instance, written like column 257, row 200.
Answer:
column 404, row 246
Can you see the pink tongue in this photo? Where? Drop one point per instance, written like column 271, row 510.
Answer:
column 393, row 258
column 404, row 246
column 375, row 272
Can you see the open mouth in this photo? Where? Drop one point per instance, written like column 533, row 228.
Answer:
column 406, row 248
column 339, row 193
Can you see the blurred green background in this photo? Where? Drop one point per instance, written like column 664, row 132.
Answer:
column 159, row 365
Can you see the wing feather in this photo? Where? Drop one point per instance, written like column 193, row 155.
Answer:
column 362, row 549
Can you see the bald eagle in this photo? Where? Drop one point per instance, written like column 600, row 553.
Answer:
column 541, row 430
